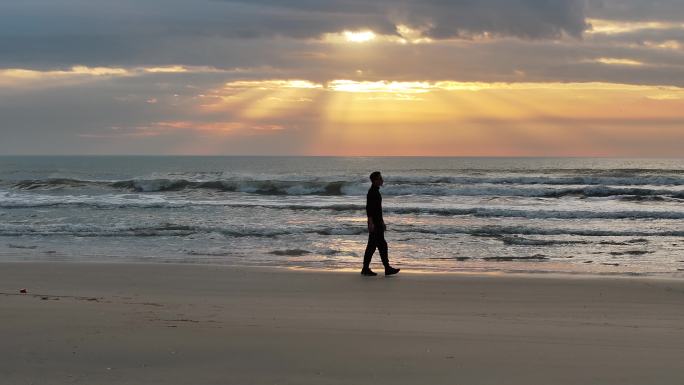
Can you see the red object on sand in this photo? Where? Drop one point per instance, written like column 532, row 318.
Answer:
column 23, row 291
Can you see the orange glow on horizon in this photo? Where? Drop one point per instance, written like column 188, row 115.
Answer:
column 461, row 118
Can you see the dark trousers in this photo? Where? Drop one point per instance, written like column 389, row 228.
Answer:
column 376, row 239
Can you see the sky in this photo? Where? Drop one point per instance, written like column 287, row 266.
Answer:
column 343, row 77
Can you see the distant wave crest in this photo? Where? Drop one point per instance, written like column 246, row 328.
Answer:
column 542, row 187
column 156, row 202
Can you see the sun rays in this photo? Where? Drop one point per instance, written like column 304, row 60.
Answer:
column 396, row 117
column 347, row 117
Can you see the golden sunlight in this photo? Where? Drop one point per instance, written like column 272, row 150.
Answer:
column 359, row 36
column 19, row 77
column 404, row 35
column 612, row 27
column 447, row 117
column 166, row 69
column 272, row 84
column 22, row 77
column 379, row 86
column 619, row 61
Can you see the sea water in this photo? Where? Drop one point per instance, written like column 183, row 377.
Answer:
column 569, row 215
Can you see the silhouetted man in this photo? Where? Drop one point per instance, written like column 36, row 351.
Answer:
column 376, row 228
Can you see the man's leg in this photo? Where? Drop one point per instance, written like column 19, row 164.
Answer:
column 382, row 247
column 370, row 249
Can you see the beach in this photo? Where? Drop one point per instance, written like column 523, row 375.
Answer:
column 135, row 323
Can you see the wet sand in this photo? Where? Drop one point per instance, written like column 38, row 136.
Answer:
column 182, row 324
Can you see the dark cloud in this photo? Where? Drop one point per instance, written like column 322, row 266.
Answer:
column 299, row 19
column 437, row 18
column 637, row 10
column 59, row 31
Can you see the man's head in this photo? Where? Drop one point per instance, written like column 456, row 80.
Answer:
column 376, row 178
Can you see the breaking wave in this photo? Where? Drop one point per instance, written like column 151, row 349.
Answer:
column 10, row 201
column 542, row 187
column 264, row 187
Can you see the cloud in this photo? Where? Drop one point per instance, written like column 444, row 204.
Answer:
column 611, row 27
column 292, row 18
column 618, row 61
column 212, row 128
column 19, row 77
column 99, row 32
column 29, row 78
column 436, row 18
column 485, row 40
column 637, row 10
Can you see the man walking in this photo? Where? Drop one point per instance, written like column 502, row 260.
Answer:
column 376, row 228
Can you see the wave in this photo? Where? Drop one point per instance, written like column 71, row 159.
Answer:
column 263, row 187
column 507, row 234
column 501, row 231
column 607, row 172
column 524, row 186
column 515, row 240
column 481, row 212
column 53, row 183
column 154, row 230
column 616, row 180
column 119, row 202
column 540, row 192
column 167, row 229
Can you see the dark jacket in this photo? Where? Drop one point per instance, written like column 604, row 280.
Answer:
column 374, row 205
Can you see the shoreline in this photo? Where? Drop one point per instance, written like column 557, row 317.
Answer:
column 484, row 272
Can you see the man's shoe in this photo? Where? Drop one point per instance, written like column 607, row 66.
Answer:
column 368, row 273
column 391, row 271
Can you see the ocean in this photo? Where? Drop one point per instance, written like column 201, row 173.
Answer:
column 531, row 215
